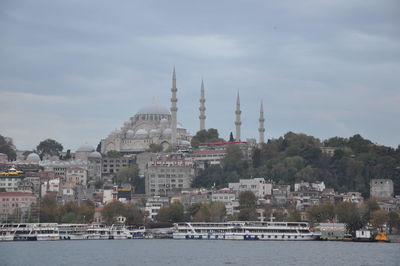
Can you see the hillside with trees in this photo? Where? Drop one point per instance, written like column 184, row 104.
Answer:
column 296, row 157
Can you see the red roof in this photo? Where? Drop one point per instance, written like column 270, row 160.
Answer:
column 209, row 151
column 16, row 194
column 222, row 143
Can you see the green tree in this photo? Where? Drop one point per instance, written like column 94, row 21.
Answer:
column 86, row 210
column 280, row 214
column 7, row 147
column 210, row 135
column 322, row 213
column 379, row 218
column 49, row 147
column 49, row 212
column 171, row 214
column 233, row 159
column 133, row 214
column 348, row 213
column 393, row 221
column 113, row 154
column 112, row 210
column 231, row 138
column 247, row 206
column 203, row 214
column 130, row 175
column 217, row 211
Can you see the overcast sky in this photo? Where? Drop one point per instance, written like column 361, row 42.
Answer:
column 76, row 70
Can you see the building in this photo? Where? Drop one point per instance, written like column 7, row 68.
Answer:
column 258, row 186
column 94, row 166
column 15, row 206
column 381, row 188
column 111, row 165
column 152, row 124
column 9, row 179
column 83, row 152
column 169, row 174
column 76, row 175
column 228, row 197
column 153, row 206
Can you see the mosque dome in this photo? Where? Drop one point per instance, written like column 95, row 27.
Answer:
column 179, row 126
column 95, row 155
column 184, row 142
column 33, row 158
column 154, row 109
column 167, row 131
column 141, row 132
column 154, row 131
column 129, row 132
column 85, row 148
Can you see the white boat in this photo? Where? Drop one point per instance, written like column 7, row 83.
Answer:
column 98, row 231
column 119, row 232
column 72, row 231
column 7, row 232
column 46, row 231
column 245, row 230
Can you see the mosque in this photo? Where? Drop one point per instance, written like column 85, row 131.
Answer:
column 155, row 124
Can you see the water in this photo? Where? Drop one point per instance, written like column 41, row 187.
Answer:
column 196, row 252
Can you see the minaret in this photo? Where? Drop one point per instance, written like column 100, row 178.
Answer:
column 237, row 121
column 173, row 109
column 261, row 129
column 202, row 108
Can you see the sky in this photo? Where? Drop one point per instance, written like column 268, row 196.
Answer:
column 76, row 70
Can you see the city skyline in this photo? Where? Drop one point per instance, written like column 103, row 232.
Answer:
column 74, row 72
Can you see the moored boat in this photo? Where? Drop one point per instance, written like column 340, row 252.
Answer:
column 245, row 230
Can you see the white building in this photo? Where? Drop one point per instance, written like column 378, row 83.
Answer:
column 154, row 204
column 52, row 185
column 228, row 197
column 258, row 186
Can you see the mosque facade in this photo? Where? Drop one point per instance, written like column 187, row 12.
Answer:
column 152, row 124
column 156, row 124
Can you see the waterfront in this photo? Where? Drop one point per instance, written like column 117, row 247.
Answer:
column 196, row 252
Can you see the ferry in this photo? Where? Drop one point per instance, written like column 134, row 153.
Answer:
column 98, row 232
column 119, row 232
column 29, row 232
column 245, row 230
column 72, row 231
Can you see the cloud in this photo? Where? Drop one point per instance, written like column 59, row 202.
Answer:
column 198, row 46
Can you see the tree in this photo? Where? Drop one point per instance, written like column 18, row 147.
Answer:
column 133, row 214
column 217, row 211
column 155, row 147
column 268, row 211
column 233, row 159
column 210, row 135
column 171, row 214
column 86, row 210
column 49, row 210
column 112, row 210
column 98, row 148
column 126, row 175
column 113, row 154
column 393, row 221
column 348, row 213
column 379, row 218
column 49, row 147
column 7, row 147
column 293, row 214
column 203, row 214
column 322, row 213
column 231, row 137
column 247, row 206
column 280, row 214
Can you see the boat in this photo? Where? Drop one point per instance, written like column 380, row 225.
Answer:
column 119, row 232
column 245, row 230
column 98, row 232
column 45, row 231
column 7, row 232
column 72, row 231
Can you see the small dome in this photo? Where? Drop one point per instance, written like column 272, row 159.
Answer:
column 154, row 131
column 129, row 132
column 141, row 132
column 85, row 148
column 33, row 158
column 95, row 155
column 167, row 131
column 179, row 125
column 153, row 109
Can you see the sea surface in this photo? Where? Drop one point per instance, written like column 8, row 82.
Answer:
column 196, row 252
